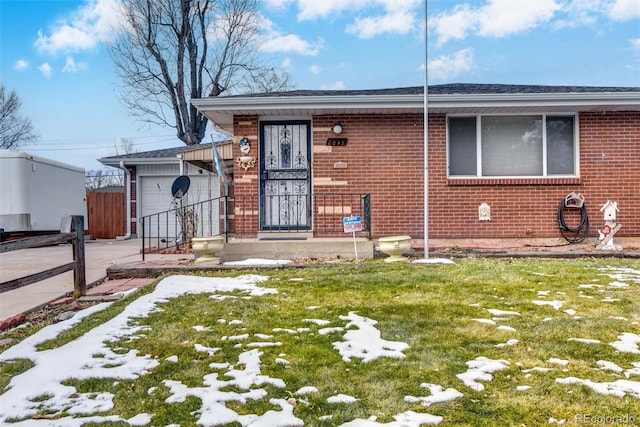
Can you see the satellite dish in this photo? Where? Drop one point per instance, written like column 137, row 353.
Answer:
column 180, row 186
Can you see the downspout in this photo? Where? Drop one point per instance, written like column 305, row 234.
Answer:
column 127, row 185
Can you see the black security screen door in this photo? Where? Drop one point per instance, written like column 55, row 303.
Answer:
column 284, row 176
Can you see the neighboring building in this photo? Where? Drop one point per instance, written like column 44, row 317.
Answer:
column 501, row 158
column 150, row 175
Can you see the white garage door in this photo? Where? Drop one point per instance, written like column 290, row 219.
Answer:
column 156, row 200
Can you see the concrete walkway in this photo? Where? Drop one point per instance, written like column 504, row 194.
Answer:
column 100, row 254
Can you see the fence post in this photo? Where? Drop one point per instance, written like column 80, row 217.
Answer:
column 79, row 276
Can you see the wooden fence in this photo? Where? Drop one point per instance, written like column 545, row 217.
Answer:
column 78, row 265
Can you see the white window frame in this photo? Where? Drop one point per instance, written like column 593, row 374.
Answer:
column 478, row 117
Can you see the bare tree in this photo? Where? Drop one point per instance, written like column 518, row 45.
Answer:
column 14, row 129
column 101, row 178
column 172, row 51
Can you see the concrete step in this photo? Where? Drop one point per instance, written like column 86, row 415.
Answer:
column 294, row 248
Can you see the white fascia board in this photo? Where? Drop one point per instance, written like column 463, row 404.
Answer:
column 140, row 161
column 439, row 101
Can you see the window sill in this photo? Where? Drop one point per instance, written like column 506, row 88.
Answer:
column 512, row 181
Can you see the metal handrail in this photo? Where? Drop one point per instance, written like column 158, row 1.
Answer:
column 242, row 215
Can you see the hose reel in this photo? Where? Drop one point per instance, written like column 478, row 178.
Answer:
column 570, row 203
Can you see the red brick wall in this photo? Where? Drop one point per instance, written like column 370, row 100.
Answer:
column 383, row 157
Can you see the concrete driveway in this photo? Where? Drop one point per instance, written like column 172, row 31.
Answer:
column 100, row 254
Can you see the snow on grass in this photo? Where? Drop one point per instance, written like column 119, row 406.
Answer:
column 480, row 369
column 341, row 398
column 557, row 305
column 438, row 395
column 627, row 343
column 506, row 328
column 508, row 343
column 485, row 321
column 365, row 342
column 319, row 322
column 91, row 355
column 303, row 391
column 619, row 388
column 497, row 312
column 609, row 366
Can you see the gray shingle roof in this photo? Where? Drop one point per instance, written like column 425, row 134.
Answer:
column 157, row 154
column 451, row 89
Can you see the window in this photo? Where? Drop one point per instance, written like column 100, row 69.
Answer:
column 526, row 145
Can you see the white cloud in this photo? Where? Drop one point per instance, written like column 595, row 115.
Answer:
column 274, row 41
column 635, row 44
column 21, row 64
column 286, row 63
column 401, row 22
column 624, row 10
column 397, row 17
column 448, row 67
column 339, row 85
column 70, row 66
column 290, row 43
column 277, row 4
column 496, row 18
column 46, row 69
column 315, row 69
column 88, row 26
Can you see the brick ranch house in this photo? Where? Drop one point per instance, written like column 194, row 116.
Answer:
column 519, row 149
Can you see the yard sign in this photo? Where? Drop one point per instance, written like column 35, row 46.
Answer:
column 352, row 224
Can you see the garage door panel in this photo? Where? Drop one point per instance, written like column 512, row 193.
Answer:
column 164, row 224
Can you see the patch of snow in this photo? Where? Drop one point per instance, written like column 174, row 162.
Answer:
column 172, row 359
column 289, row 331
column 496, row 312
column 236, row 322
column 52, row 369
column 610, row 299
column 480, row 369
column 619, row 388
column 319, row 322
column 618, row 285
column 140, row 420
column 508, row 343
column 263, row 336
column 341, row 398
column 609, row 366
column 438, row 395
column 523, row 387
column 366, row 342
column 559, row 422
column 619, row 318
column 152, row 390
column 202, row 349
column 506, row 328
column 199, row 328
column 306, row 390
column 570, row 311
column 556, row 361
column 238, row 337
column 485, row 321
column 628, row 343
column 589, row 286
column 555, row 303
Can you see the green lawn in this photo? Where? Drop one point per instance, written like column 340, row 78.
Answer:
column 549, row 340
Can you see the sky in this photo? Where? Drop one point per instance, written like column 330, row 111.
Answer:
column 53, row 54
column 46, row 383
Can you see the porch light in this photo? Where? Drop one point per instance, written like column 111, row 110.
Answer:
column 337, row 128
